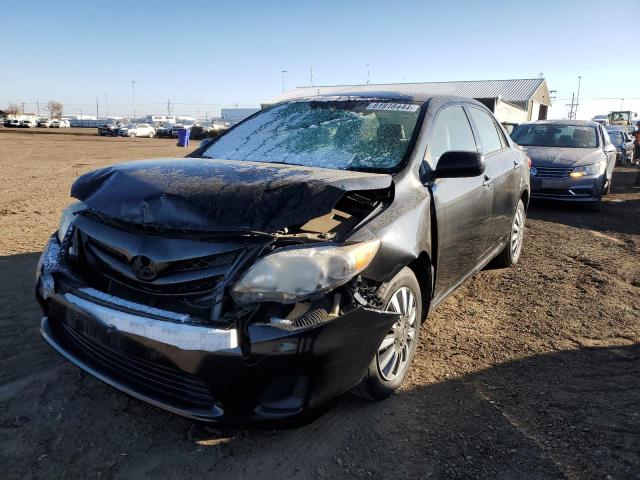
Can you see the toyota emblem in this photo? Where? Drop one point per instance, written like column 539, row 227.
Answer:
column 144, row 268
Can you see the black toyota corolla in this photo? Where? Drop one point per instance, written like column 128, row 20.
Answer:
column 290, row 260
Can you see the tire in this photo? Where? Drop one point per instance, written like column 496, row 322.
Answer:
column 510, row 255
column 132, row 135
column 381, row 380
column 151, row 134
column 607, row 189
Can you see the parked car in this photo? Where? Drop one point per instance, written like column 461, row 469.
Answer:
column 14, row 123
column 60, row 123
column 44, row 122
column 623, row 142
column 27, row 123
column 200, row 131
column 164, row 130
column 289, row 260
column 572, row 160
column 138, row 130
column 601, row 119
column 176, row 127
column 109, row 129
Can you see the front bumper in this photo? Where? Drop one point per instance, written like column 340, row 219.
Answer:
column 584, row 189
column 257, row 373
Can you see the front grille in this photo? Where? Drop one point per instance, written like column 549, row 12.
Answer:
column 153, row 379
column 191, row 276
column 563, row 192
column 182, row 283
column 553, row 172
column 200, row 263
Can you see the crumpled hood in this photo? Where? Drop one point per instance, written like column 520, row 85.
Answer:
column 218, row 195
column 563, row 157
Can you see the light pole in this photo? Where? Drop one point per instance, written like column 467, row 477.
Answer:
column 578, row 98
column 106, row 105
column 283, row 73
column 133, row 96
column 368, row 73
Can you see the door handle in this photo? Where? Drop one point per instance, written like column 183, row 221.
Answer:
column 487, row 181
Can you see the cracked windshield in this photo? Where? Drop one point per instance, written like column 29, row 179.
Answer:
column 345, row 135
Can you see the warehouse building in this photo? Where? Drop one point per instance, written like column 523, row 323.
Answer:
column 512, row 101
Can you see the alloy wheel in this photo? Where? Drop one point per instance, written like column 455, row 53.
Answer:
column 517, row 233
column 394, row 352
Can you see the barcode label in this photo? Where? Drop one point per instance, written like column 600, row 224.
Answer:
column 395, row 107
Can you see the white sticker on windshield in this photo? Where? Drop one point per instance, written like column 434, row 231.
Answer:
column 395, row 107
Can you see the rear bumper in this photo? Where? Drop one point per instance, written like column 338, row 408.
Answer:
column 256, row 374
column 585, row 189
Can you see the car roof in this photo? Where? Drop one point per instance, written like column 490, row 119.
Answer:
column 583, row 123
column 387, row 94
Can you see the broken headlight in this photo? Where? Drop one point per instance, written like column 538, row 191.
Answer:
column 296, row 273
column 67, row 218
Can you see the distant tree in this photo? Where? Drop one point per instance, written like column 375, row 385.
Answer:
column 13, row 109
column 55, row 109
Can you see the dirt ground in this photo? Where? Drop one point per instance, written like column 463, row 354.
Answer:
column 532, row 372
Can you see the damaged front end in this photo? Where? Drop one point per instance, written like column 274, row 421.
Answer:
column 175, row 317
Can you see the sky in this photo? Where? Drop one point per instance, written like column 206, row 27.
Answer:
column 201, row 55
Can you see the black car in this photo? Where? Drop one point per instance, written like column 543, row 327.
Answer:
column 109, row 129
column 289, row 260
column 165, row 130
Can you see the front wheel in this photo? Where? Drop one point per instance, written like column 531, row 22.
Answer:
column 511, row 253
column 391, row 363
column 132, row 135
column 606, row 190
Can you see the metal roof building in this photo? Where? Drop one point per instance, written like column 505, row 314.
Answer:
column 513, row 101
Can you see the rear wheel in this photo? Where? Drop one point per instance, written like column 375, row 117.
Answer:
column 511, row 253
column 391, row 363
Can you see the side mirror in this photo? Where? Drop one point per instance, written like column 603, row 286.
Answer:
column 459, row 164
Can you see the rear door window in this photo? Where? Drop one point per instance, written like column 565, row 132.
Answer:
column 490, row 140
column 451, row 131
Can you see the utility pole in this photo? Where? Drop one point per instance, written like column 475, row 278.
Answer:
column 97, row 110
column 577, row 98
column 106, row 105
column 133, row 97
column 311, row 76
column 38, row 106
column 368, row 74
column 22, row 107
column 571, row 114
column 621, row 102
column 168, row 107
column 283, row 72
